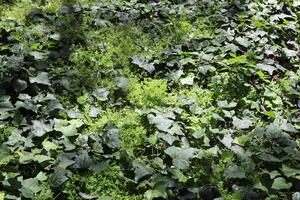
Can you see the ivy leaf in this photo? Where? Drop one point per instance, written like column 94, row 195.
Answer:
column 41, row 176
column 234, row 172
column 288, row 127
column 122, row 82
column 101, row 94
column 99, row 166
column 281, row 184
column 289, row 53
column 162, row 123
column 273, row 174
column 65, row 128
column 143, row 63
column 68, row 131
column 83, row 161
column 41, row 78
column 225, row 104
column 268, row 68
column 30, row 187
column 167, row 138
column 141, row 170
column 296, row 195
column 151, row 194
column 5, row 104
column 20, row 85
column 179, row 175
column 94, row 112
column 37, row 55
column 290, row 172
column 111, row 137
column 58, row 178
column 83, row 99
column 5, row 155
column 54, row 105
column 48, row 146
column 268, row 157
column 86, row 196
column 241, row 123
column 243, row 42
column 180, row 156
column 39, row 128
column 189, row 80
column 2, row 196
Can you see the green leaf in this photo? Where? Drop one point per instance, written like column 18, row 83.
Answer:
column 296, row 195
column 41, row 78
column 99, row 166
column 170, row 139
column 111, row 138
column 143, row 63
column 5, row 104
column 268, row 157
column 50, row 145
column 30, row 187
column 179, row 175
column 289, row 53
column 86, row 196
column 281, row 184
column 234, row 172
column 189, row 80
column 68, row 131
column 290, row 172
column 39, row 128
column 241, row 123
column 180, row 156
column 2, row 195
column 37, row 55
column 42, row 176
column 63, row 127
column 58, row 178
column 225, row 104
column 141, row 170
column 243, row 41
column 5, row 155
column 288, row 127
column 122, row 82
column 83, row 99
column 151, row 194
column 273, row 174
column 101, row 94
column 268, row 68
column 270, row 114
column 54, row 105
column 237, row 60
column 82, row 161
column 161, row 122
column 20, row 85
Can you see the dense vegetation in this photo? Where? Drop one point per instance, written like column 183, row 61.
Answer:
column 137, row 99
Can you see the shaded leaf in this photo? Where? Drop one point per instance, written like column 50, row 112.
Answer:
column 101, row 94
column 57, row 178
column 41, row 78
column 180, row 156
column 281, row 184
column 234, row 172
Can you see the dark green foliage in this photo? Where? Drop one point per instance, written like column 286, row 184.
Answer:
column 149, row 99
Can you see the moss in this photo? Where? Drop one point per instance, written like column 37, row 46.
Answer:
column 5, row 132
column 202, row 97
column 18, row 11
column 110, row 182
column 128, row 121
column 45, row 193
column 149, row 94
